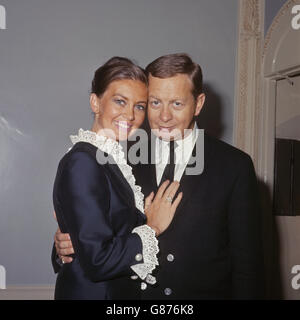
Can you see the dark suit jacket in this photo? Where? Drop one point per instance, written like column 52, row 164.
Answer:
column 214, row 238
column 95, row 205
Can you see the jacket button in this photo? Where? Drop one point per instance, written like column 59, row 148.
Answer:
column 170, row 257
column 168, row 291
column 143, row 286
column 139, row 257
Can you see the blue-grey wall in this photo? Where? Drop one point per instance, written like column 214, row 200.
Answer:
column 272, row 7
column 47, row 58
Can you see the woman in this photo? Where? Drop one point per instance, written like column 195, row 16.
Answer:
column 98, row 203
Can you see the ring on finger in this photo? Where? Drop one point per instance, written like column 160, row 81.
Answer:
column 169, row 199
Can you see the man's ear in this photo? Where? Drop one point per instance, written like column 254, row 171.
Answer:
column 199, row 103
column 95, row 103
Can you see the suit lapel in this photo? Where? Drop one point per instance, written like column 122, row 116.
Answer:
column 189, row 183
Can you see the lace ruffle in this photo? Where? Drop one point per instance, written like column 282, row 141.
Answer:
column 113, row 148
column 150, row 250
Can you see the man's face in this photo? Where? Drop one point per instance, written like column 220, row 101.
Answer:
column 172, row 106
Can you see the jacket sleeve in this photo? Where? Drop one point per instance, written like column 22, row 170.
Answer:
column 84, row 199
column 245, row 235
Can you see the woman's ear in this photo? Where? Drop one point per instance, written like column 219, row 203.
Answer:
column 199, row 103
column 95, row 103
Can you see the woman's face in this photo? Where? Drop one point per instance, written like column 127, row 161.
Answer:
column 121, row 109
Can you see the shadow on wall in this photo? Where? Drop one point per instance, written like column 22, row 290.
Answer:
column 273, row 285
column 210, row 117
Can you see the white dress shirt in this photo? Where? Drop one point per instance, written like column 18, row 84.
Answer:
column 183, row 152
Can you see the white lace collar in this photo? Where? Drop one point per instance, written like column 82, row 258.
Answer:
column 114, row 149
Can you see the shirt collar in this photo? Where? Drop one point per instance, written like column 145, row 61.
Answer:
column 189, row 139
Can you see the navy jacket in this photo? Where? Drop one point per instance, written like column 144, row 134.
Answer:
column 212, row 248
column 95, row 205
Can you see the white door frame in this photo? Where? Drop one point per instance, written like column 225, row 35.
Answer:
column 260, row 63
column 281, row 59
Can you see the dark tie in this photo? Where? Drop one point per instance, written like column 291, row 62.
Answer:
column 170, row 167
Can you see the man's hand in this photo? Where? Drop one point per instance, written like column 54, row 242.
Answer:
column 63, row 246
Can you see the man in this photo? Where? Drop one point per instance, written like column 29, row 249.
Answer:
column 212, row 249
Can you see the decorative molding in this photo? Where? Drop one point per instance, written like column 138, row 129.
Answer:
column 275, row 22
column 249, row 75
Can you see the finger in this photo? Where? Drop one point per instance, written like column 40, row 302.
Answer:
column 149, row 199
column 62, row 237
column 171, row 190
column 64, row 244
column 65, row 252
column 65, row 259
column 161, row 190
column 56, row 234
column 177, row 201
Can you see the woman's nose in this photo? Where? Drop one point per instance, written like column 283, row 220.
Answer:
column 129, row 113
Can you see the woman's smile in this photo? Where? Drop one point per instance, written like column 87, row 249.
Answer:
column 123, row 126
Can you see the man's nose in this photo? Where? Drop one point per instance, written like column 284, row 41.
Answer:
column 165, row 114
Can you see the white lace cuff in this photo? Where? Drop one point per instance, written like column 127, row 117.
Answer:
column 150, row 250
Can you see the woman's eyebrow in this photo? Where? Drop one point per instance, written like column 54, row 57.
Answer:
column 120, row 95
column 142, row 102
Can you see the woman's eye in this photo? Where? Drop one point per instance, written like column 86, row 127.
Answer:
column 120, row 102
column 140, row 107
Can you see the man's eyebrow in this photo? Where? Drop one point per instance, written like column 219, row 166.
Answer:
column 154, row 97
column 177, row 99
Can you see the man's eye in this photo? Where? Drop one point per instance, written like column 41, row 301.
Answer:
column 140, row 107
column 155, row 103
column 177, row 104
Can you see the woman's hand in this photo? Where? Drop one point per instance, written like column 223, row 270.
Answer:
column 161, row 210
